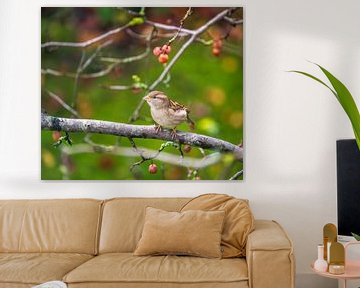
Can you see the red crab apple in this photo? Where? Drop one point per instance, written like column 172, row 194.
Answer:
column 152, row 168
column 163, row 58
column 56, row 135
column 216, row 52
column 157, row 51
column 166, row 49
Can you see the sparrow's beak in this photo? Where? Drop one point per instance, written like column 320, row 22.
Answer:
column 146, row 98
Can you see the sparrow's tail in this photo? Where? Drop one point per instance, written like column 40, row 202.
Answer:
column 191, row 123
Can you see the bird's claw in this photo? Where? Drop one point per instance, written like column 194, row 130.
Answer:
column 157, row 129
column 174, row 134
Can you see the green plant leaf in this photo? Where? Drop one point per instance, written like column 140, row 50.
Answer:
column 356, row 236
column 347, row 102
column 316, row 79
column 344, row 97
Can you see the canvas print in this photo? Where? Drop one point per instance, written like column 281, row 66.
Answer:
column 142, row 93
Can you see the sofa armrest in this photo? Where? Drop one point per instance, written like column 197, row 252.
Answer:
column 269, row 256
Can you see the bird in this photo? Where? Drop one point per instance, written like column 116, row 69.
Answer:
column 167, row 113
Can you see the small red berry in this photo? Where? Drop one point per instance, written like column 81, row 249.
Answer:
column 163, row 58
column 166, row 49
column 152, row 168
column 187, row 148
column 216, row 52
column 56, row 135
column 157, row 51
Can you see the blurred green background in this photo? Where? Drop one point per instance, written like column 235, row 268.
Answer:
column 212, row 87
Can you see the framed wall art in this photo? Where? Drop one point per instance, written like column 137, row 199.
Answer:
column 137, row 93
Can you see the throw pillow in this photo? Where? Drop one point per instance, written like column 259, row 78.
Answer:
column 196, row 233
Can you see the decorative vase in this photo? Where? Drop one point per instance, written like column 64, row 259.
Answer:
column 320, row 264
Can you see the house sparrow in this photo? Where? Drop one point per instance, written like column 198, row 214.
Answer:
column 166, row 112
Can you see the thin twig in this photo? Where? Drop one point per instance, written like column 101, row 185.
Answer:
column 85, row 43
column 119, row 87
column 236, row 175
column 76, row 81
column 147, row 157
column 63, row 104
column 126, row 59
column 138, row 152
column 182, row 21
column 169, row 27
column 114, row 62
column 136, row 35
column 93, row 56
column 233, row 21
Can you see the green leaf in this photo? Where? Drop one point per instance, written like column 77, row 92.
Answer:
column 344, row 97
column 356, row 236
column 136, row 78
column 314, row 78
column 347, row 102
column 57, row 143
column 167, row 144
column 136, row 21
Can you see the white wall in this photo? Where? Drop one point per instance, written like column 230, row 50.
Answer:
column 291, row 122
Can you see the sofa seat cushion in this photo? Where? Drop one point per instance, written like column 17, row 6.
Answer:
column 36, row 268
column 127, row 268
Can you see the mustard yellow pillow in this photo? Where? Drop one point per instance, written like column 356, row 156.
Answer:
column 238, row 223
column 193, row 232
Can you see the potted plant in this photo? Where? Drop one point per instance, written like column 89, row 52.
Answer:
column 345, row 99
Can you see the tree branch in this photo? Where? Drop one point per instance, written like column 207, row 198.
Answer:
column 85, row 43
column 137, row 131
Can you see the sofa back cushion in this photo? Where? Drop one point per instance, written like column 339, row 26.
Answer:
column 123, row 220
column 67, row 226
column 238, row 224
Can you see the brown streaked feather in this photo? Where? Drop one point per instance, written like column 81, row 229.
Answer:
column 176, row 106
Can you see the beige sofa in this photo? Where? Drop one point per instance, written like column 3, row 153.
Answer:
column 89, row 243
